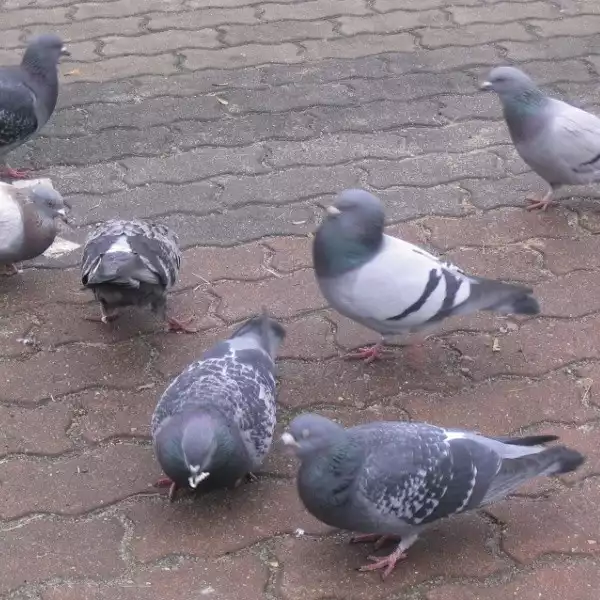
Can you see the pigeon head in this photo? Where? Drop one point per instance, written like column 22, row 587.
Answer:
column 310, row 435
column 50, row 203
column 351, row 234
column 267, row 333
column 185, row 447
column 43, row 53
column 511, row 85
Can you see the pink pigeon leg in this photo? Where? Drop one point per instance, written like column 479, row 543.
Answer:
column 175, row 325
column 388, row 563
column 378, row 540
column 368, row 353
column 543, row 203
column 167, row 482
column 6, row 171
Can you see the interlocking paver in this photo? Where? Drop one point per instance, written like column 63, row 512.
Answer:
column 235, row 122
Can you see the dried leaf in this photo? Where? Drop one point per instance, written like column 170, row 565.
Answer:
column 222, row 100
column 495, row 345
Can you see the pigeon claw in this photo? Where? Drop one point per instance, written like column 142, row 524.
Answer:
column 175, row 325
column 542, row 204
column 11, row 173
column 167, row 482
column 387, row 563
column 368, row 353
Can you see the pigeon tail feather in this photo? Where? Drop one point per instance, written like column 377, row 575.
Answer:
column 120, row 268
column 504, row 298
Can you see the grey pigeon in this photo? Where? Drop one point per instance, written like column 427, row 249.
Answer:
column 214, row 424
column 132, row 263
column 560, row 142
column 28, row 221
column 392, row 286
column 391, row 479
column 28, row 94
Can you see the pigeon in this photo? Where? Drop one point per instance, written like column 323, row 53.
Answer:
column 132, row 263
column 392, row 286
column 28, row 224
column 28, row 94
column 390, row 479
column 214, row 424
column 560, row 142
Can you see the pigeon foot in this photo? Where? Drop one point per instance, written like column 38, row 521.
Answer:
column 368, row 353
column 167, row 482
column 10, row 270
column 542, row 204
column 387, row 563
column 378, row 540
column 175, row 326
column 11, row 173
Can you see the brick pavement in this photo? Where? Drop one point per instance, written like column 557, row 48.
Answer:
column 171, row 110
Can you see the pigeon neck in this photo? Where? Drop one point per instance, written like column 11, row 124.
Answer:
column 524, row 112
column 45, row 75
column 337, row 251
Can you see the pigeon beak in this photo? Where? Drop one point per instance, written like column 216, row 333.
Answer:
column 486, row 86
column 333, row 211
column 288, row 440
column 62, row 212
column 196, row 478
column 64, row 51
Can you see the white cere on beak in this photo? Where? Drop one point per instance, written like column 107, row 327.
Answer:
column 62, row 211
column 333, row 211
column 288, row 439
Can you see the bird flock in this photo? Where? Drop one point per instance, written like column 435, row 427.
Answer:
column 214, row 424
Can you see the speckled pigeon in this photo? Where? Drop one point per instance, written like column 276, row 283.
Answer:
column 28, row 221
column 28, row 94
column 392, row 286
column 560, row 142
column 214, row 424
column 132, row 263
column 391, row 479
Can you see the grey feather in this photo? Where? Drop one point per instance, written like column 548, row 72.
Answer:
column 218, row 415
column 29, row 91
column 131, row 263
column 393, row 478
column 560, row 142
column 28, row 221
column 392, row 286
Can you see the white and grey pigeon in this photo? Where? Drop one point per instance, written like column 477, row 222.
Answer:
column 132, row 263
column 28, row 95
column 560, row 142
column 392, row 286
column 214, row 424
column 391, row 479
column 28, row 224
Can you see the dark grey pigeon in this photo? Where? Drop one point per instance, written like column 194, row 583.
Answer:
column 214, row 424
column 392, row 286
column 28, row 94
column 560, row 142
column 132, row 263
column 28, row 224
column 392, row 479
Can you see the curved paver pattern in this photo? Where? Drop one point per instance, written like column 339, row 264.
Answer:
column 234, row 121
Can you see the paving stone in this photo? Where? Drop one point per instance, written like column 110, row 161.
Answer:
column 240, row 56
column 193, row 165
column 217, row 523
column 21, row 432
column 506, row 226
column 291, row 253
column 197, row 19
column 60, row 548
column 313, row 10
column 242, row 576
column 101, row 477
column 325, row 567
column 309, row 337
column 392, row 21
column 418, row 171
column 157, row 43
column 558, row 295
column 497, row 12
column 559, row 48
column 280, row 31
column 123, row 8
column 574, row 529
column 502, row 406
column 580, row 25
column 94, row 28
column 563, row 580
column 357, row 46
column 474, row 35
column 288, row 185
column 72, row 368
column 513, row 263
column 239, row 300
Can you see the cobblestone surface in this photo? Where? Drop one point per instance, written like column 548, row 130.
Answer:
column 235, row 121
